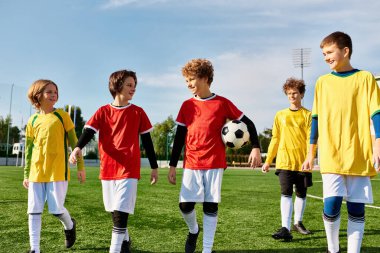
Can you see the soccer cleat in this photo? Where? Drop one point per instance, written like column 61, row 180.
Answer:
column 126, row 247
column 191, row 242
column 70, row 235
column 300, row 228
column 283, row 233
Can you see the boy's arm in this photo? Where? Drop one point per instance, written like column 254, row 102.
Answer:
column 376, row 148
column 179, row 142
column 28, row 160
column 309, row 162
column 81, row 173
column 273, row 145
column 254, row 158
column 148, row 146
column 85, row 138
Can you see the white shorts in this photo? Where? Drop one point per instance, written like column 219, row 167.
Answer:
column 120, row 195
column 351, row 188
column 201, row 185
column 54, row 193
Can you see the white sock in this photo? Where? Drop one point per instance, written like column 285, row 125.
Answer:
column 66, row 220
column 355, row 231
column 209, row 228
column 191, row 221
column 126, row 237
column 35, row 231
column 332, row 233
column 118, row 235
column 299, row 209
column 286, row 211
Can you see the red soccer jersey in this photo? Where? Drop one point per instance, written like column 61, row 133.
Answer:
column 119, row 145
column 204, row 119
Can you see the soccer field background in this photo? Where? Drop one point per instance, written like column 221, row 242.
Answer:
column 248, row 214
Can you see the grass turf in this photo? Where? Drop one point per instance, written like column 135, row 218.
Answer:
column 248, row 214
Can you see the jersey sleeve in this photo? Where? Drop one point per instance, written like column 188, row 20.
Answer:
column 95, row 121
column 374, row 96
column 145, row 125
column 181, row 117
column 67, row 122
column 274, row 142
column 232, row 111
column 314, row 111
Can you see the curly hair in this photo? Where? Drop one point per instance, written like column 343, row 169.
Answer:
column 293, row 83
column 199, row 68
column 37, row 89
column 117, row 80
column 341, row 39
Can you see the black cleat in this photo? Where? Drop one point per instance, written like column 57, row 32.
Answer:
column 191, row 242
column 300, row 228
column 126, row 246
column 70, row 235
column 283, row 233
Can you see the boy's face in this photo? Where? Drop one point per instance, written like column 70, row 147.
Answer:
column 336, row 58
column 294, row 96
column 197, row 86
column 49, row 96
column 129, row 88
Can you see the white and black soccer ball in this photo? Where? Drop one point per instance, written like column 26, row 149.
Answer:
column 235, row 134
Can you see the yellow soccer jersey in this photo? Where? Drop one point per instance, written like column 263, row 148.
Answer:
column 290, row 138
column 344, row 104
column 48, row 158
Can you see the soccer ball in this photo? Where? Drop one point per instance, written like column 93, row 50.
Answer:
column 235, row 134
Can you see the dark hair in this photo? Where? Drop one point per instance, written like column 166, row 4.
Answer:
column 117, row 80
column 199, row 68
column 341, row 39
column 293, row 83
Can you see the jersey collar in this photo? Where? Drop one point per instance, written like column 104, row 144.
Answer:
column 345, row 73
column 205, row 99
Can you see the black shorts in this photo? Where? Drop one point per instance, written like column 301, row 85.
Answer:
column 288, row 178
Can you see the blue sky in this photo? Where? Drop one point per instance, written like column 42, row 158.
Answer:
column 79, row 43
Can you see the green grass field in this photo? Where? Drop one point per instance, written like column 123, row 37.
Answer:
column 248, row 214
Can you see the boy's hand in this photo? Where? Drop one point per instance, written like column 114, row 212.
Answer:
column 81, row 174
column 254, row 158
column 265, row 168
column 308, row 164
column 77, row 152
column 376, row 154
column 25, row 183
column 154, row 176
column 172, row 175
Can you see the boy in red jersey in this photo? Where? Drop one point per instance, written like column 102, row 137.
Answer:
column 345, row 101
column 120, row 124
column 199, row 124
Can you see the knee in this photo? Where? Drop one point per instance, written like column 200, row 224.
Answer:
column 301, row 194
column 120, row 219
column 186, row 207
column 332, row 206
column 210, row 208
column 355, row 210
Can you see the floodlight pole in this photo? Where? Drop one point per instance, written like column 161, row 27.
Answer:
column 9, row 124
column 301, row 58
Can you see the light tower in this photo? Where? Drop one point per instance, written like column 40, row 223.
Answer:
column 301, row 58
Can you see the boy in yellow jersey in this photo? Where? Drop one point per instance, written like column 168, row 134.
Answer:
column 46, row 172
column 345, row 101
column 290, row 133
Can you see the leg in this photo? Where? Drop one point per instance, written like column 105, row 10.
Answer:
column 286, row 183
column 210, row 220
column 190, row 217
column 120, row 220
column 331, row 220
column 355, row 226
column 35, row 231
column 300, row 204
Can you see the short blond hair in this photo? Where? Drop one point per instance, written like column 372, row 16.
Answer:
column 199, row 68
column 36, row 89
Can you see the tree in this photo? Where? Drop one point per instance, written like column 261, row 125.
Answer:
column 162, row 136
column 14, row 132
column 79, row 122
column 264, row 139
